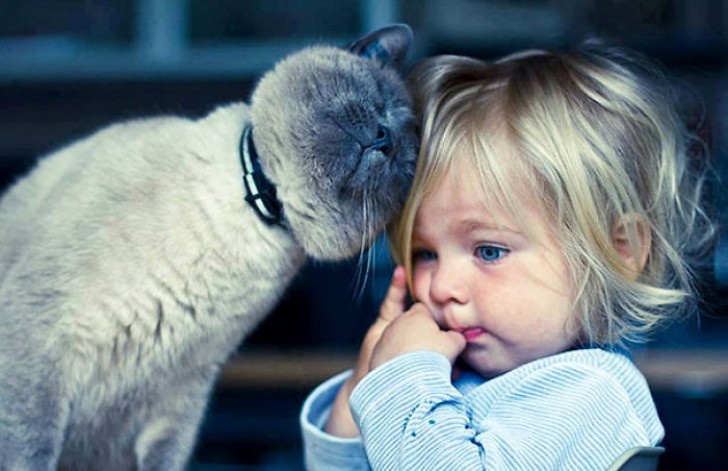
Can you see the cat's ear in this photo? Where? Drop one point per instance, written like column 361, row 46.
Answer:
column 388, row 46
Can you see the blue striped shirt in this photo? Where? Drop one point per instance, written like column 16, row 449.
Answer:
column 577, row 410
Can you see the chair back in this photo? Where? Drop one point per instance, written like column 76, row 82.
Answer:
column 639, row 458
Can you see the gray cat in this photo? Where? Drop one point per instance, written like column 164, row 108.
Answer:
column 134, row 261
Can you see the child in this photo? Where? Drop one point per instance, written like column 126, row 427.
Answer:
column 552, row 218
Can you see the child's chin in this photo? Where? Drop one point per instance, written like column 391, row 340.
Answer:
column 482, row 363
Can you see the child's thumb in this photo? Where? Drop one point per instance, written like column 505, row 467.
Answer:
column 394, row 300
column 458, row 341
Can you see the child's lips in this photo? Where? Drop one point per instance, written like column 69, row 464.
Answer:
column 473, row 333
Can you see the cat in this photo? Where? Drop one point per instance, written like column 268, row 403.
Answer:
column 133, row 262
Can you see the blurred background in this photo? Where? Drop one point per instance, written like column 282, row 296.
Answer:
column 68, row 67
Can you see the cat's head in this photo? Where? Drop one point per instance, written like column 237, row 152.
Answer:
column 336, row 135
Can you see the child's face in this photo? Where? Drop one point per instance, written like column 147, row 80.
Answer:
column 508, row 292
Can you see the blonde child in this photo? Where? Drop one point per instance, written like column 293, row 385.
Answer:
column 552, row 219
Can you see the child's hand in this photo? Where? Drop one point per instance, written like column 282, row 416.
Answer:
column 392, row 306
column 415, row 330
column 340, row 421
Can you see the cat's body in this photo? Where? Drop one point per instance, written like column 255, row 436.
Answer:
column 131, row 267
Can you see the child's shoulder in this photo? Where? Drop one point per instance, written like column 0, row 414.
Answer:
column 581, row 371
column 616, row 359
column 571, row 391
column 585, row 365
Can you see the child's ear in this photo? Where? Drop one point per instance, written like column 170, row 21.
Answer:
column 632, row 240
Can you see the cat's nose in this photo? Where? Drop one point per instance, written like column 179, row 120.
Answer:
column 383, row 140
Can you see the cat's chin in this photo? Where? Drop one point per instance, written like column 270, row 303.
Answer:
column 334, row 247
column 333, row 252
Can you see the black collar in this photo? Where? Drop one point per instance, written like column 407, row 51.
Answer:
column 260, row 193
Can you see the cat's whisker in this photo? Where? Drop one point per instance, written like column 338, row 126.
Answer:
column 358, row 286
column 370, row 259
column 365, row 256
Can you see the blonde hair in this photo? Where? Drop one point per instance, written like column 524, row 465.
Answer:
column 600, row 141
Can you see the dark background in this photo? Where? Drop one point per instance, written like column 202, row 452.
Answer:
column 68, row 67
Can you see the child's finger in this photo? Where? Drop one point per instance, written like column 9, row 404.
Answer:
column 394, row 301
column 457, row 344
column 457, row 338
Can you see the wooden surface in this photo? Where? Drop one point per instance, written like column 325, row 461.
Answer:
column 262, row 369
column 686, row 372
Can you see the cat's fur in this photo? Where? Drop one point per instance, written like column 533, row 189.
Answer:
column 131, row 266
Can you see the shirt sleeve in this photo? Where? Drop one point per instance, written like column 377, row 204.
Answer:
column 411, row 417
column 323, row 451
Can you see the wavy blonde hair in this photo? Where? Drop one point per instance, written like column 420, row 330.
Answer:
column 597, row 136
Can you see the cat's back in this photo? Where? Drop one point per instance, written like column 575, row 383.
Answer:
column 124, row 166
column 122, row 192
column 107, row 232
column 56, row 175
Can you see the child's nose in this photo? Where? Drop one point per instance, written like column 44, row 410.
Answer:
column 449, row 284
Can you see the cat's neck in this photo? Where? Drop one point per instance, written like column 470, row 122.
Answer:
column 260, row 192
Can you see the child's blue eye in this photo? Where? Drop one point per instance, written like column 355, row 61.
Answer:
column 423, row 255
column 491, row 253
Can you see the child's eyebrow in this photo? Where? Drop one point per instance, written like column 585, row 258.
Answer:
column 468, row 226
